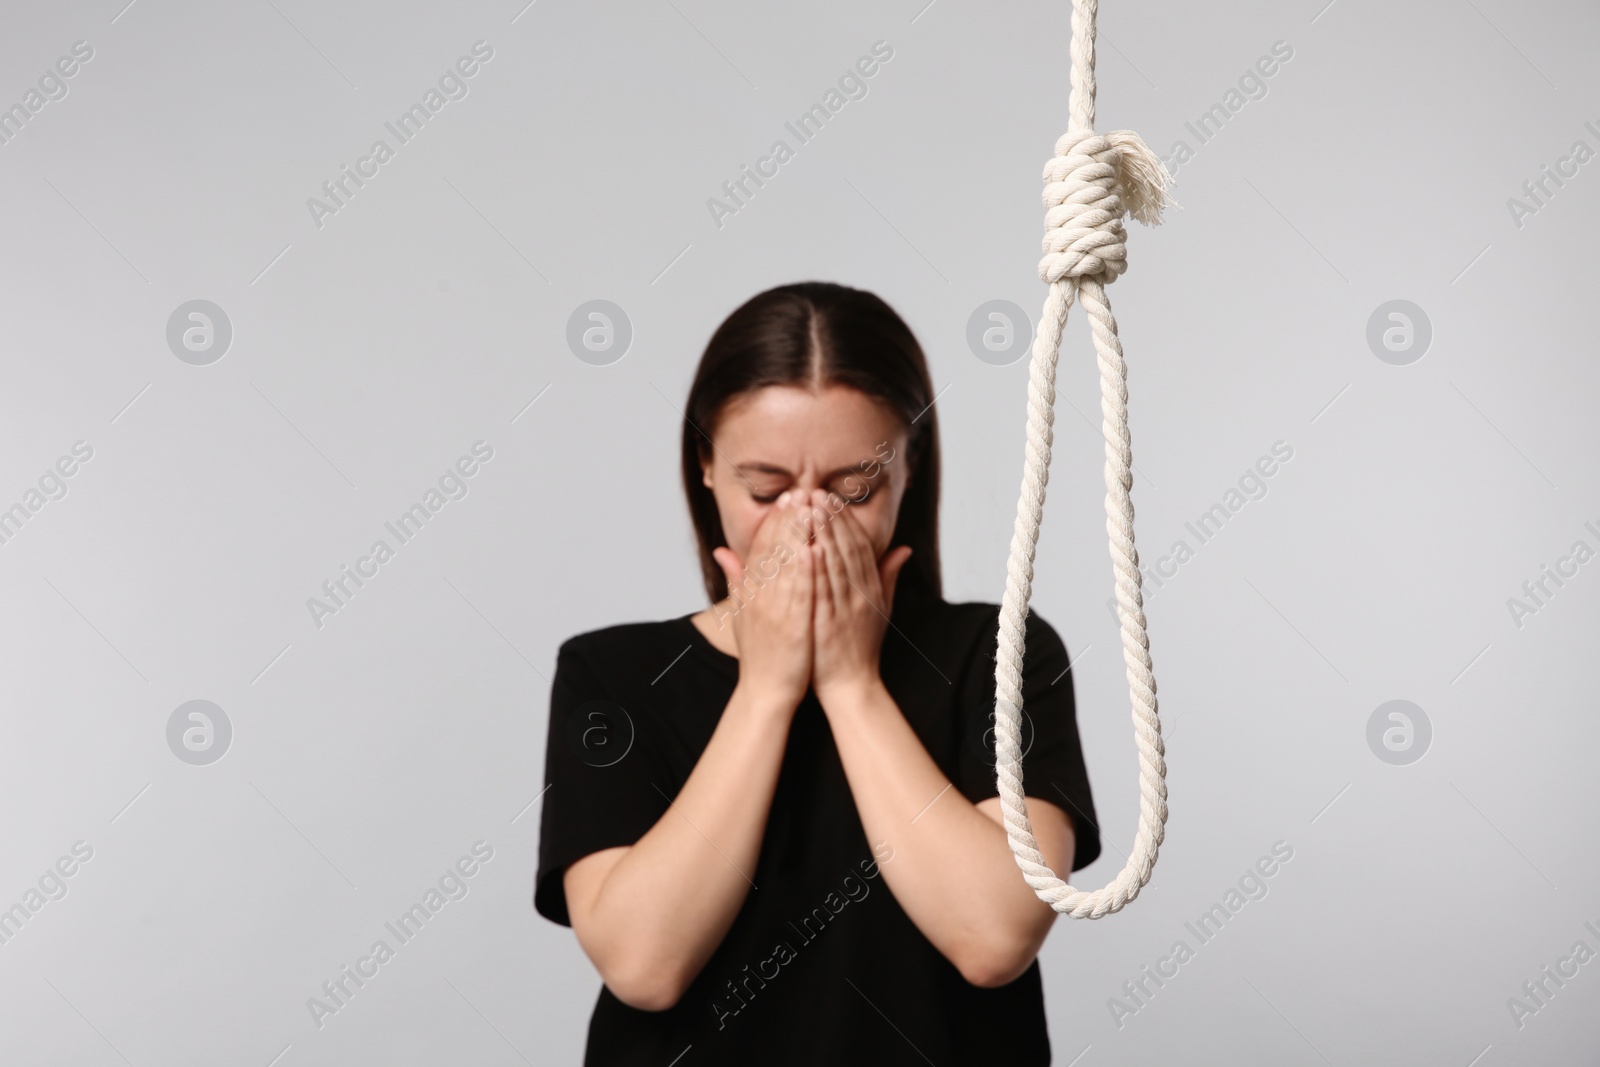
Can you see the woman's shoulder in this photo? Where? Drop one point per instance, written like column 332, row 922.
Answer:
column 622, row 639
column 968, row 632
column 975, row 618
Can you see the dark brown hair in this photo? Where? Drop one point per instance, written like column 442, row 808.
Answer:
column 812, row 335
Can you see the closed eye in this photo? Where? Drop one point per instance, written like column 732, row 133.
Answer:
column 858, row 495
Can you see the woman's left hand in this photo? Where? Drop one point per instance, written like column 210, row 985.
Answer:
column 852, row 602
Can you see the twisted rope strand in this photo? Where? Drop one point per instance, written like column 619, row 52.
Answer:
column 1091, row 182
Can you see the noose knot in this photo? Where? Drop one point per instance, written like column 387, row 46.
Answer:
column 1091, row 182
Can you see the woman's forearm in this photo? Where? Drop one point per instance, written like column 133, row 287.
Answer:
column 666, row 905
column 953, row 872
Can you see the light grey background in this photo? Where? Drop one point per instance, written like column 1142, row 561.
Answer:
column 369, row 354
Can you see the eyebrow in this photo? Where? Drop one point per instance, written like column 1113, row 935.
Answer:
column 772, row 468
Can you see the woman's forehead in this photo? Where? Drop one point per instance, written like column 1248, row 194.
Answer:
column 789, row 418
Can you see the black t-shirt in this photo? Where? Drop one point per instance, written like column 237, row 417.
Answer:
column 821, row 965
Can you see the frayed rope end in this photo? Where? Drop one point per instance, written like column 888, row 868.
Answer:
column 1143, row 178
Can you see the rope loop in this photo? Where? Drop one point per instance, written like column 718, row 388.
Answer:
column 1090, row 184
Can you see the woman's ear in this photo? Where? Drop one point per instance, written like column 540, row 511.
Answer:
column 705, row 473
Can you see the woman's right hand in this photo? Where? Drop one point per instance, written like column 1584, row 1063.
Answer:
column 771, row 611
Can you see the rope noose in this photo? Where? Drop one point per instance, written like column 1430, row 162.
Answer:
column 1092, row 181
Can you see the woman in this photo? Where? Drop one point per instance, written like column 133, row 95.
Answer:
column 773, row 824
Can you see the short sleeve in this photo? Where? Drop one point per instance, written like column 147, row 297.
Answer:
column 600, row 778
column 1052, row 760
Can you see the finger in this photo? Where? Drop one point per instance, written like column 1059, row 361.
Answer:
column 807, row 595
column 729, row 561
column 795, row 576
column 786, row 533
column 732, row 568
column 805, row 580
column 833, row 553
column 818, row 584
column 829, row 563
column 857, row 551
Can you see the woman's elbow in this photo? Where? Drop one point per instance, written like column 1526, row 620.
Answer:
column 644, row 978
column 991, row 970
column 1002, row 957
column 647, row 988
column 648, row 996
